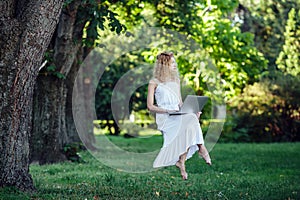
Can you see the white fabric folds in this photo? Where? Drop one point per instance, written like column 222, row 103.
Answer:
column 180, row 132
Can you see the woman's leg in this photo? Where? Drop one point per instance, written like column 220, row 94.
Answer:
column 204, row 153
column 181, row 165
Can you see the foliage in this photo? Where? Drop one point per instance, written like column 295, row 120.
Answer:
column 234, row 54
column 218, row 39
column 287, row 112
column 72, row 151
column 239, row 171
column 266, row 20
column 267, row 111
column 106, row 87
column 91, row 16
column 216, row 59
column 97, row 15
column 51, row 69
column 289, row 58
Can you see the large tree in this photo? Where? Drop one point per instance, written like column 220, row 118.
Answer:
column 75, row 36
column 49, row 132
column 26, row 28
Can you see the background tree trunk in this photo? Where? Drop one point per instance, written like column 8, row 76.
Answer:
column 26, row 28
column 69, row 50
column 49, row 135
column 86, row 90
column 70, row 125
column 53, row 95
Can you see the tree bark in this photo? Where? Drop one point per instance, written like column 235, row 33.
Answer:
column 53, row 116
column 86, row 90
column 72, row 134
column 83, row 87
column 26, row 28
column 48, row 135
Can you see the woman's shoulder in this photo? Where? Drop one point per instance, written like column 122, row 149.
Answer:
column 154, row 81
column 174, row 81
column 177, row 80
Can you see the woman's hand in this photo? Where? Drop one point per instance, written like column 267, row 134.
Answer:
column 180, row 105
column 198, row 114
column 172, row 111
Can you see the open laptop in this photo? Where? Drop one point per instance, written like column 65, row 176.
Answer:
column 191, row 104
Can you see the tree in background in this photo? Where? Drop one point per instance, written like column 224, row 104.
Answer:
column 74, row 38
column 269, row 110
column 26, row 28
column 266, row 19
column 288, row 60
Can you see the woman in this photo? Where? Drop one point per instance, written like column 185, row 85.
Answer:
column 182, row 133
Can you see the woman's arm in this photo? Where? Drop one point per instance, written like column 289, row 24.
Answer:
column 180, row 97
column 150, row 99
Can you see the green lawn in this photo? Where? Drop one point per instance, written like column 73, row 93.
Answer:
column 239, row 171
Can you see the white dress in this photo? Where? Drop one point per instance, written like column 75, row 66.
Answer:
column 180, row 132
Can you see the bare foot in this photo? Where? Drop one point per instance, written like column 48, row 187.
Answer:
column 183, row 173
column 204, row 154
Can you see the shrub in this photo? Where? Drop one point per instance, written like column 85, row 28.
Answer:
column 266, row 111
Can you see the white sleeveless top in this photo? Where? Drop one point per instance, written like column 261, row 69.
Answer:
column 167, row 96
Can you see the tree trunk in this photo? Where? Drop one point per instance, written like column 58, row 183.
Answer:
column 67, row 55
column 50, row 135
column 26, row 28
column 84, row 90
column 70, row 125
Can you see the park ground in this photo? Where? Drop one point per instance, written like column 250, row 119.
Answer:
column 239, row 171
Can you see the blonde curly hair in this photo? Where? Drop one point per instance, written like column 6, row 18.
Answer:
column 162, row 68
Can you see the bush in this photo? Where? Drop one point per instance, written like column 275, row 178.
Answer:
column 267, row 111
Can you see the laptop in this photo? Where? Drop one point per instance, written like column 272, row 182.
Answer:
column 191, row 104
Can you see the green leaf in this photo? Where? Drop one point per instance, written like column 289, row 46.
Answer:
column 51, row 68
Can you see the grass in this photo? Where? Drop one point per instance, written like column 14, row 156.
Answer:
column 239, row 171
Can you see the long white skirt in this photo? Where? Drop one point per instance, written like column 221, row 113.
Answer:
column 181, row 133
